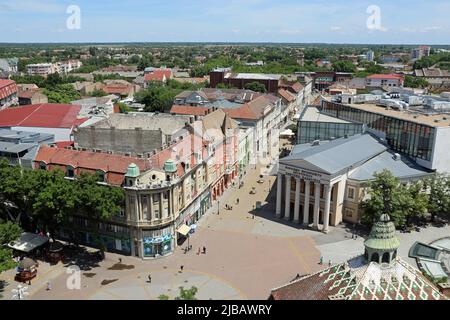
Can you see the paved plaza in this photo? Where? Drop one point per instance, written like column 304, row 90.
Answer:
column 249, row 252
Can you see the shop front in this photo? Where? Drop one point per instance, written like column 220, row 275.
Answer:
column 158, row 243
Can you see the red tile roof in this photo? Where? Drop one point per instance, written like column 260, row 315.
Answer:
column 189, row 110
column 7, row 88
column 41, row 115
column 385, row 76
column 286, row 95
column 158, row 75
column 114, row 165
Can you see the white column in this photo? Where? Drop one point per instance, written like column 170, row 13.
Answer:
column 287, row 208
column 279, row 187
column 326, row 217
column 316, row 204
column 297, row 201
column 306, row 205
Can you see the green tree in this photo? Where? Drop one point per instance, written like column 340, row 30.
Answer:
column 163, row 297
column 344, row 66
column 98, row 93
column 8, row 232
column 386, row 194
column 187, row 294
column 413, row 82
column 256, row 86
column 438, row 199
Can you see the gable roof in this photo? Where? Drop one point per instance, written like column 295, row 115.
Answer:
column 337, row 155
column 109, row 163
column 158, row 75
column 7, row 88
column 41, row 115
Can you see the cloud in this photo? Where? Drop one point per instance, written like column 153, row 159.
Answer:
column 291, row 31
column 34, row 6
column 336, row 28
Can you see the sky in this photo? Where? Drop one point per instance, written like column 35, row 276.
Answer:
column 280, row 21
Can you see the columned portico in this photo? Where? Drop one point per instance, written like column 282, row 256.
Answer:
column 316, row 205
column 287, row 209
column 326, row 212
column 320, row 202
column 306, row 205
column 297, row 201
column 279, row 187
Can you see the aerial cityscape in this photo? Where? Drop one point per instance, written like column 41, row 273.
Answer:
column 224, row 150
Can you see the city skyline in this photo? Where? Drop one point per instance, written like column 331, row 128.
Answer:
column 254, row 21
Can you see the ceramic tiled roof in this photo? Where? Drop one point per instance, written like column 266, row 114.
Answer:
column 358, row 280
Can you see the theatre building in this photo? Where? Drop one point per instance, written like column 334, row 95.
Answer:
column 322, row 183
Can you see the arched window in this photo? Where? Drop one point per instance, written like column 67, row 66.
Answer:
column 386, row 257
column 70, row 173
column 375, row 257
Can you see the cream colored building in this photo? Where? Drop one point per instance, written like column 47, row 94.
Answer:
column 322, row 184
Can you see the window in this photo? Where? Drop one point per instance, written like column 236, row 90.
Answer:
column 101, row 176
column 42, row 166
column 351, row 193
column 348, row 212
column 70, row 173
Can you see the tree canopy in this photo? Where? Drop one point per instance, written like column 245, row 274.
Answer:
column 386, row 194
column 256, row 86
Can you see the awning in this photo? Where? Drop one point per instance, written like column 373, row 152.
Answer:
column 28, row 242
column 184, row 230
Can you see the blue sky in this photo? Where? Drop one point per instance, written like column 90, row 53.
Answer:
column 338, row 21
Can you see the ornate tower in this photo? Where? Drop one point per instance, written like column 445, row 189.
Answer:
column 382, row 244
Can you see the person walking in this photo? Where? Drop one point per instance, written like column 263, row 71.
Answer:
column 199, row 251
column 49, row 286
column 329, row 263
column 149, row 278
column 181, row 268
column 321, row 260
column 204, row 250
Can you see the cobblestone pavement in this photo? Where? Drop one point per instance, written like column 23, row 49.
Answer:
column 249, row 252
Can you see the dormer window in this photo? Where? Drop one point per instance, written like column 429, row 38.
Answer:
column 70, row 173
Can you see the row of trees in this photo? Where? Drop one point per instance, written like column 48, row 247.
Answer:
column 406, row 203
column 46, row 200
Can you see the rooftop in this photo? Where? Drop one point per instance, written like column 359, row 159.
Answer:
column 313, row 114
column 41, row 115
column 337, row 155
column 432, row 119
column 165, row 122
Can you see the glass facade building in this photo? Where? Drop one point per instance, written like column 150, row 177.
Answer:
column 309, row 131
column 410, row 138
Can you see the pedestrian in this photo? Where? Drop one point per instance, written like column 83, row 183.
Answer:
column 120, row 260
column 149, row 278
column 199, row 250
column 49, row 286
column 204, row 250
column 181, row 268
column 321, row 260
column 329, row 263
column 237, row 201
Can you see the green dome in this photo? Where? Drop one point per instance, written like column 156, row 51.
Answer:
column 133, row 171
column 170, row 166
column 382, row 237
